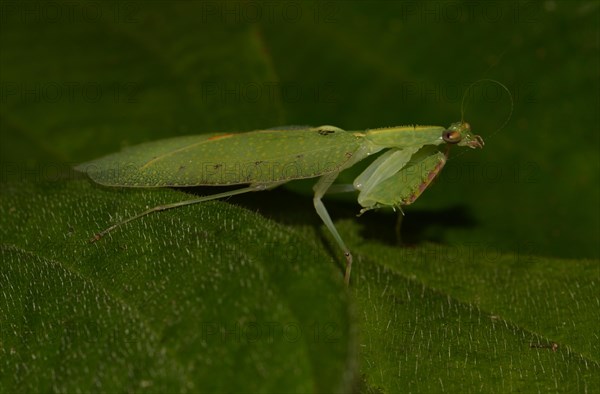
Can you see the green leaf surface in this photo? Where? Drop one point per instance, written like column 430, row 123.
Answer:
column 469, row 320
column 218, row 299
column 494, row 288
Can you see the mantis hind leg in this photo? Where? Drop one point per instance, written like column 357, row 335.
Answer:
column 158, row 208
column 320, row 188
column 341, row 188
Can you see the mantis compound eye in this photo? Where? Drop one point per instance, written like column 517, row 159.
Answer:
column 451, row 136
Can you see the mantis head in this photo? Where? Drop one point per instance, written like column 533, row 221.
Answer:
column 459, row 133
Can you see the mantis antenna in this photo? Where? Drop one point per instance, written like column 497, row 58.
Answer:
column 512, row 103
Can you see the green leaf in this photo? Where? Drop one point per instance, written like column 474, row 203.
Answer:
column 471, row 319
column 214, row 299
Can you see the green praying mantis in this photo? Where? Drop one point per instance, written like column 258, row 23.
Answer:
column 264, row 159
